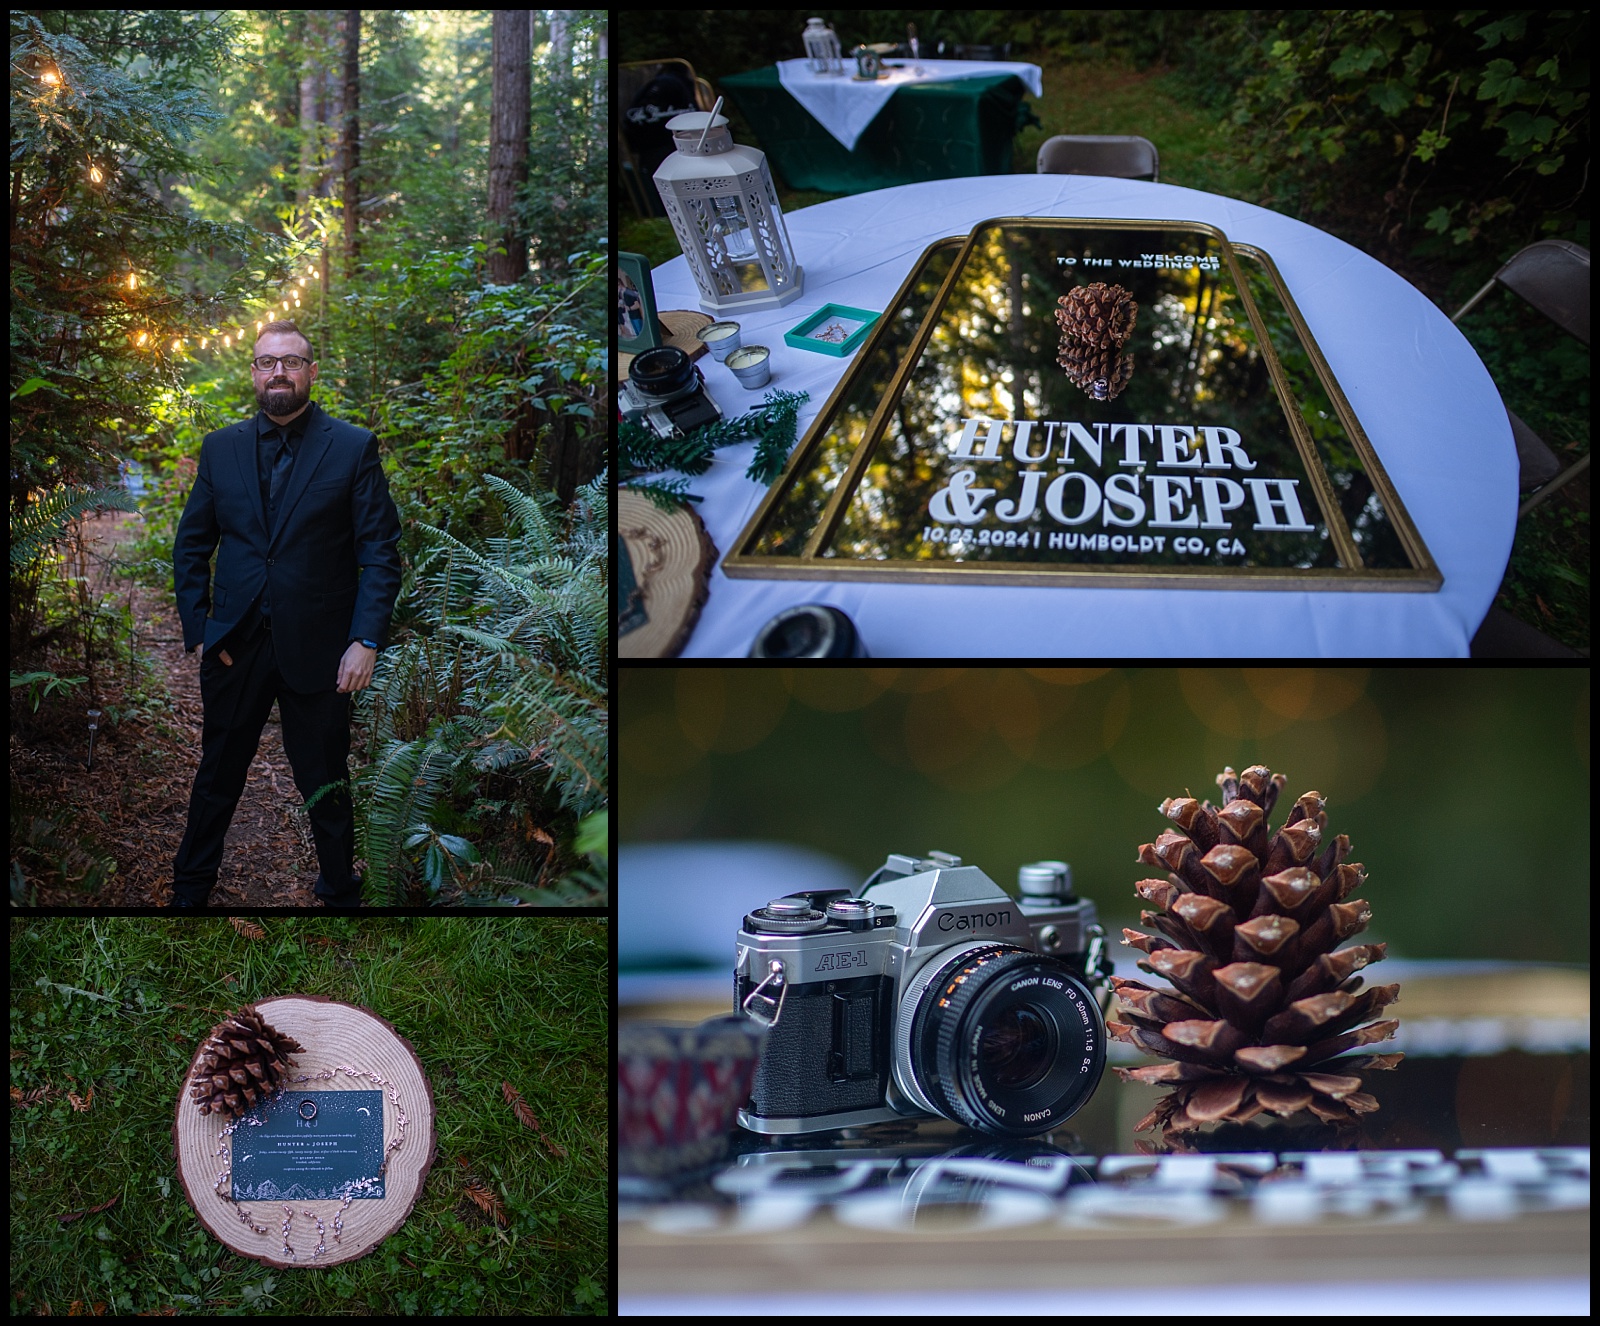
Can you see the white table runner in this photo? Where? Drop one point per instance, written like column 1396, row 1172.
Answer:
column 845, row 107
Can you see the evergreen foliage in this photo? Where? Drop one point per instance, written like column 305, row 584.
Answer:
column 497, row 700
column 772, row 424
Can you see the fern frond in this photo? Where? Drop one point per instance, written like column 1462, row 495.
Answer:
column 44, row 522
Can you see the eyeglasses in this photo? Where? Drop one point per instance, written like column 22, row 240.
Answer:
column 265, row 363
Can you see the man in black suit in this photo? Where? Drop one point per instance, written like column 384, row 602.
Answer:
column 295, row 504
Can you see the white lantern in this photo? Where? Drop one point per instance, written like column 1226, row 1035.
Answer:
column 721, row 201
column 822, row 48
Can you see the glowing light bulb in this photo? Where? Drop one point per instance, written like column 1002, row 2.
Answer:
column 95, row 175
column 133, row 281
column 49, row 76
column 142, row 339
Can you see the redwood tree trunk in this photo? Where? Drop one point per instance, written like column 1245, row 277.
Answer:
column 352, row 141
column 508, row 145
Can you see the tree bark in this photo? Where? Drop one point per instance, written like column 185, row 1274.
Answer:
column 352, row 141
column 508, row 145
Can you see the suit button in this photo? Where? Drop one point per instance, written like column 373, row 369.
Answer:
column 269, row 561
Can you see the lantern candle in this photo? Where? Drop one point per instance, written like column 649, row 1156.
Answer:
column 724, row 208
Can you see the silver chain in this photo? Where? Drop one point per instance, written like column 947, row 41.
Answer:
column 351, row 1190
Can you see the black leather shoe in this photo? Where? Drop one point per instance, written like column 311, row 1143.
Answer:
column 348, row 901
column 179, row 904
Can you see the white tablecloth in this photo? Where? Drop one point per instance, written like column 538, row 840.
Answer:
column 845, row 107
column 1423, row 396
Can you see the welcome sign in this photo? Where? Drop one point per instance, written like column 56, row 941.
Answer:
column 1082, row 401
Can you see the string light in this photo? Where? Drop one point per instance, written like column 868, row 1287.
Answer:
column 291, row 301
column 94, row 173
column 49, row 76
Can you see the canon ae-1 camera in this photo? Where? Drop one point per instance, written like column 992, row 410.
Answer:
column 930, row 992
column 665, row 392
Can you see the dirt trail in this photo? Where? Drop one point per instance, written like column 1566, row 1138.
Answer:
column 144, row 769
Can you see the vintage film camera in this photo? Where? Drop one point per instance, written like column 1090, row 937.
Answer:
column 665, row 392
column 931, row 992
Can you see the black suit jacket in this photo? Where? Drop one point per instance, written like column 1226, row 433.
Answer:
column 333, row 561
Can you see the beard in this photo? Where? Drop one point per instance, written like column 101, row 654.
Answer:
column 282, row 397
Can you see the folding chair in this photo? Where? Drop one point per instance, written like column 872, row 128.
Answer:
column 1123, row 156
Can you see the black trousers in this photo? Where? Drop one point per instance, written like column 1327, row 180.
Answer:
column 316, row 737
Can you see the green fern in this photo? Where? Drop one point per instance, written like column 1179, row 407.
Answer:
column 44, row 522
column 504, row 684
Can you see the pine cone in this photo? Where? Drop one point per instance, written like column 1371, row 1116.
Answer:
column 244, row 1062
column 1103, row 373
column 1261, row 1003
column 1097, row 314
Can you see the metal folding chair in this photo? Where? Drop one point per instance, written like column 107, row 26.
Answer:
column 1123, row 156
column 1553, row 276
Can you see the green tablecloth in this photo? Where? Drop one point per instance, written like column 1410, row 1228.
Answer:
column 933, row 131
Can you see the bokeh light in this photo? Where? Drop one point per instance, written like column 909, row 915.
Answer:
column 1465, row 792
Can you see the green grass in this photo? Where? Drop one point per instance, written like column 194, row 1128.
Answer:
column 120, row 1005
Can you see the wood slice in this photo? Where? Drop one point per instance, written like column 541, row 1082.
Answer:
column 333, row 1033
column 672, row 558
column 682, row 329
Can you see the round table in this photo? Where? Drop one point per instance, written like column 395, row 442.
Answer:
column 1422, row 394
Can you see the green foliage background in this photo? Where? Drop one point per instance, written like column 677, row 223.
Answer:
column 1464, row 792
column 121, row 1004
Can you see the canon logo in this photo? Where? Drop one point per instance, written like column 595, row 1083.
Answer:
column 974, row 920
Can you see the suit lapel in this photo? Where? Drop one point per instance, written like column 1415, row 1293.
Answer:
column 244, row 454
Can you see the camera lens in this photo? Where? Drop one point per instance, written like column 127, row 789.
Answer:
column 662, row 372
column 1002, row 1039
column 1019, row 1048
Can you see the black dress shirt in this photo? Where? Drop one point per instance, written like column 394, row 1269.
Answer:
column 273, row 467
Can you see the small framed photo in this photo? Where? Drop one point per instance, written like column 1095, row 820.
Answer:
column 637, row 327
column 834, row 329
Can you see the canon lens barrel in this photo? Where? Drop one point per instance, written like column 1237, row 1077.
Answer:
column 1007, row 1041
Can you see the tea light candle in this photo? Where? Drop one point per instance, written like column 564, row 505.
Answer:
column 751, row 366
column 721, row 338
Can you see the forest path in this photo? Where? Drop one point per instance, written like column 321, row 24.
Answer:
column 268, row 859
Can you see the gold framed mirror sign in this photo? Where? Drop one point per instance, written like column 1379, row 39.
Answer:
column 1057, row 401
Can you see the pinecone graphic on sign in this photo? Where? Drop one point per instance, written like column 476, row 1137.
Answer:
column 1087, row 365
column 243, row 1063
column 1097, row 314
column 1096, row 321
column 1262, row 1003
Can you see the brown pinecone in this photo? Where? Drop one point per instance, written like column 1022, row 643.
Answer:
column 244, row 1062
column 1248, row 921
column 1102, row 372
column 1097, row 314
